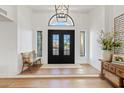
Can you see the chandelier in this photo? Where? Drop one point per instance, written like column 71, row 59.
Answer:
column 61, row 16
column 62, row 12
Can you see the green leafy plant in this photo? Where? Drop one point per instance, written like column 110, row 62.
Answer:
column 107, row 42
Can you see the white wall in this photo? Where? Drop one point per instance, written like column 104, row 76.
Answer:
column 8, row 44
column 24, row 34
column 8, row 54
column 40, row 23
column 11, row 11
column 96, row 24
column 15, row 37
column 118, row 10
column 109, row 18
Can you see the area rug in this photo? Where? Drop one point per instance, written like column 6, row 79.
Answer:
column 61, row 66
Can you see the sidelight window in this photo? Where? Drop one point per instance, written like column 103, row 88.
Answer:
column 82, row 43
column 39, row 43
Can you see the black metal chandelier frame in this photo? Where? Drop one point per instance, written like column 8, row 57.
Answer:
column 61, row 12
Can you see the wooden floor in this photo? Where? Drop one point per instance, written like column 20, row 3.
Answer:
column 84, row 69
column 55, row 83
column 48, row 82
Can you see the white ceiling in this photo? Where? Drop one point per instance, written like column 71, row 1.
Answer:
column 74, row 8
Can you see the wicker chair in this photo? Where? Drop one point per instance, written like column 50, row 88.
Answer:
column 29, row 59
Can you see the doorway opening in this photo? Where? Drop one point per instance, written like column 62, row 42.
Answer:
column 61, row 46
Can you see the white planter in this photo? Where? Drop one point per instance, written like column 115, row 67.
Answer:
column 107, row 55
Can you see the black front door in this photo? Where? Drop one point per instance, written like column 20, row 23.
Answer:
column 60, row 46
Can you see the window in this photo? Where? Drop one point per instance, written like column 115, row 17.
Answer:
column 39, row 43
column 66, row 44
column 61, row 21
column 55, row 44
column 82, row 43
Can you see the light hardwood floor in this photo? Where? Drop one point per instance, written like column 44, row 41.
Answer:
column 55, row 83
column 84, row 69
column 61, row 82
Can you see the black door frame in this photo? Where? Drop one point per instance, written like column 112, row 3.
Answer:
column 72, row 57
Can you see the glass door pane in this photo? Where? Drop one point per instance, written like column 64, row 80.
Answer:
column 66, row 44
column 55, row 44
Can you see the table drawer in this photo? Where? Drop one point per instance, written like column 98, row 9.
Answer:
column 112, row 68
column 106, row 65
column 112, row 77
column 120, row 72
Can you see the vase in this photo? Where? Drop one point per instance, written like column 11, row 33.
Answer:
column 107, row 55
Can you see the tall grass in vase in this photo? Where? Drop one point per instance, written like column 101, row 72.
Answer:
column 108, row 44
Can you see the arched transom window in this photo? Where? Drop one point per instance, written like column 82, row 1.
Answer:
column 55, row 21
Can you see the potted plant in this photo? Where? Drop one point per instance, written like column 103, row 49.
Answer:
column 108, row 44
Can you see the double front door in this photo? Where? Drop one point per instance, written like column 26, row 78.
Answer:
column 61, row 46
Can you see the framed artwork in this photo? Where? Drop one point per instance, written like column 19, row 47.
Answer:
column 119, row 29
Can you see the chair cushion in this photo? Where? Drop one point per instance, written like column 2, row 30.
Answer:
column 33, row 54
column 27, row 57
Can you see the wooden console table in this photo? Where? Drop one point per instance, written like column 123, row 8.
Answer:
column 112, row 72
